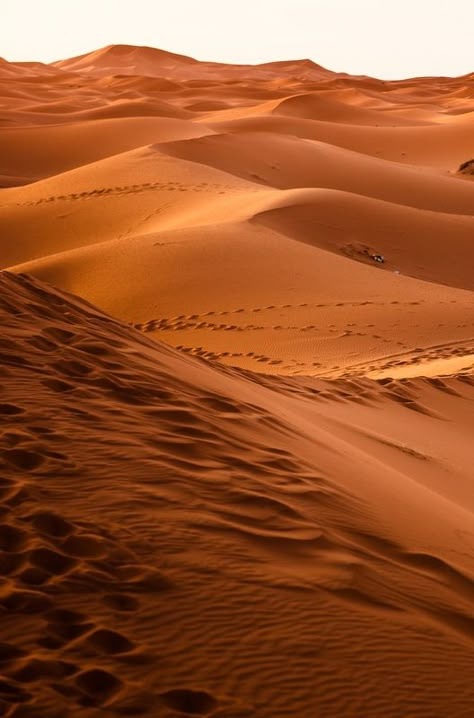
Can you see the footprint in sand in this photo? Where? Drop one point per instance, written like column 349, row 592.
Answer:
column 189, row 701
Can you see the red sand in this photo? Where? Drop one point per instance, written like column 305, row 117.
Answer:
column 263, row 507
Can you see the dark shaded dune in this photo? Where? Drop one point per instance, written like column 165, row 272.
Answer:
column 158, row 512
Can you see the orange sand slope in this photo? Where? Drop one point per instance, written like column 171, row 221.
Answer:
column 250, row 493
column 234, row 211
column 182, row 538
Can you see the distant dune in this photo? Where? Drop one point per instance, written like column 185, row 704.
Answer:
column 151, row 62
column 238, row 399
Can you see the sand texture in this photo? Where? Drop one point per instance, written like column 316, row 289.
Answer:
column 236, row 450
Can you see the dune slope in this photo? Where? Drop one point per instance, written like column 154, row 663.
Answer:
column 165, row 520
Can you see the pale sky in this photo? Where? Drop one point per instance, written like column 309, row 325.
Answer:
column 384, row 38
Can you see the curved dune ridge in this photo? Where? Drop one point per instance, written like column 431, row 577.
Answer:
column 182, row 538
column 236, row 416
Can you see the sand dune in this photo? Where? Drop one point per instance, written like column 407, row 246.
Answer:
column 273, row 486
column 125, row 59
column 316, row 106
column 285, row 161
column 151, row 62
column 311, row 218
column 19, row 70
column 351, row 166
column 246, row 489
column 41, row 151
column 442, row 146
